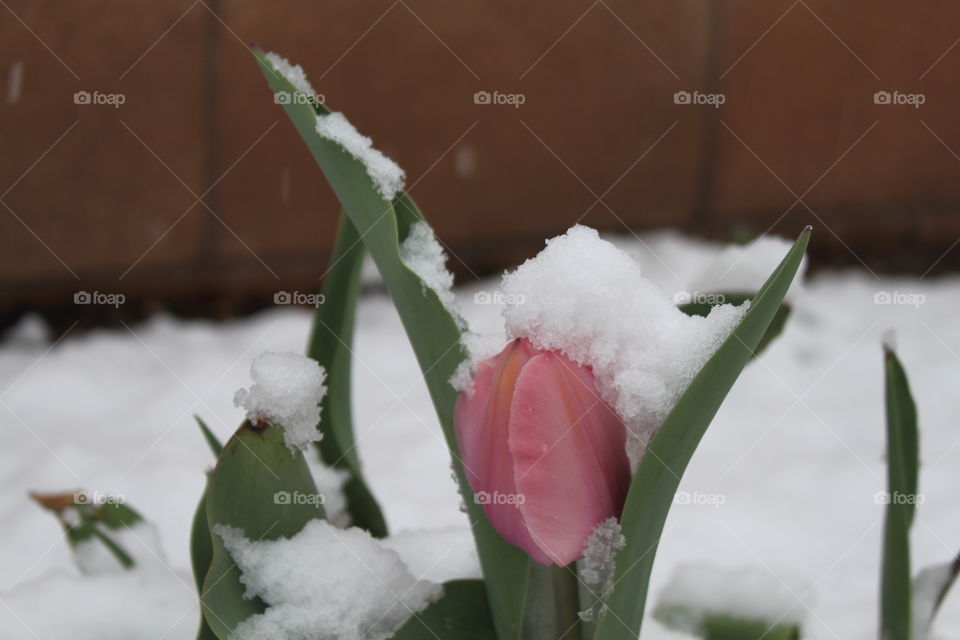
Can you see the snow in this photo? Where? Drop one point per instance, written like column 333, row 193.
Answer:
column 421, row 253
column 330, row 481
column 696, row 592
column 796, row 450
column 437, row 555
column 325, row 583
column 387, row 176
column 287, row 390
column 293, row 73
column 585, row 297
column 598, row 564
column 131, row 605
column 744, row 268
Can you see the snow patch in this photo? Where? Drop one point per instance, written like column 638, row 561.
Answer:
column 287, row 389
column 293, row 73
column 387, row 176
column 422, row 253
column 437, row 555
column 325, row 583
column 330, row 482
column 131, row 605
column 588, row 299
column 598, row 565
column 697, row 592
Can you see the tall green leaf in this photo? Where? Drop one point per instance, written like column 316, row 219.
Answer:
column 201, row 546
column 658, row 475
column 432, row 331
column 902, row 464
column 330, row 344
column 251, row 489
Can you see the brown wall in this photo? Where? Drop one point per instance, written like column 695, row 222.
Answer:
column 197, row 183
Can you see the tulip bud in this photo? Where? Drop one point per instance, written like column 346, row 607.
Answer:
column 543, row 452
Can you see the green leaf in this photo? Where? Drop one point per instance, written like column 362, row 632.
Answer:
column 201, row 555
column 902, row 464
column 432, row 331
column 658, row 475
column 250, row 488
column 330, row 345
column 201, row 547
column 776, row 325
column 90, row 520
column 211, row 439
column 463, row 613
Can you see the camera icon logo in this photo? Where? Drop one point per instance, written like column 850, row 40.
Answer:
column 81, row 97
column 882, row 97
column 682, row 97
column 81, row 497
column 481, row 497
column 882, row 297
column 282, row 97
column 482, row 97
column 82, row 297
column 682, row 297
column 281, row 497
column 282, row 297
column 482, row 297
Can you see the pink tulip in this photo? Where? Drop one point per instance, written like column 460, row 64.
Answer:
column 543, row 453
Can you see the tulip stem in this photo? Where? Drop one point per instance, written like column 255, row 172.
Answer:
column 566, row 601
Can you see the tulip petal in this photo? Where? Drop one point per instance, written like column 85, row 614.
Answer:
column 569, row 455
column 481, row 419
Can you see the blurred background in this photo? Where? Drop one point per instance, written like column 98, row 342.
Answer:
column 143, row 153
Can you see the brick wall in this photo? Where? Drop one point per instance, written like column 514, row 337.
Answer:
column 196, row 189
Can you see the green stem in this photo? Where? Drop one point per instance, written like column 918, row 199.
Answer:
column 566, row 601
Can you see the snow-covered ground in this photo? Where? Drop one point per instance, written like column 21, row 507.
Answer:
column 786, row 479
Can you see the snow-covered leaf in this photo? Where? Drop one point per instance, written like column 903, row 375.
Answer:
column 658, row 475
column 363, row 182
column 254, row 488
